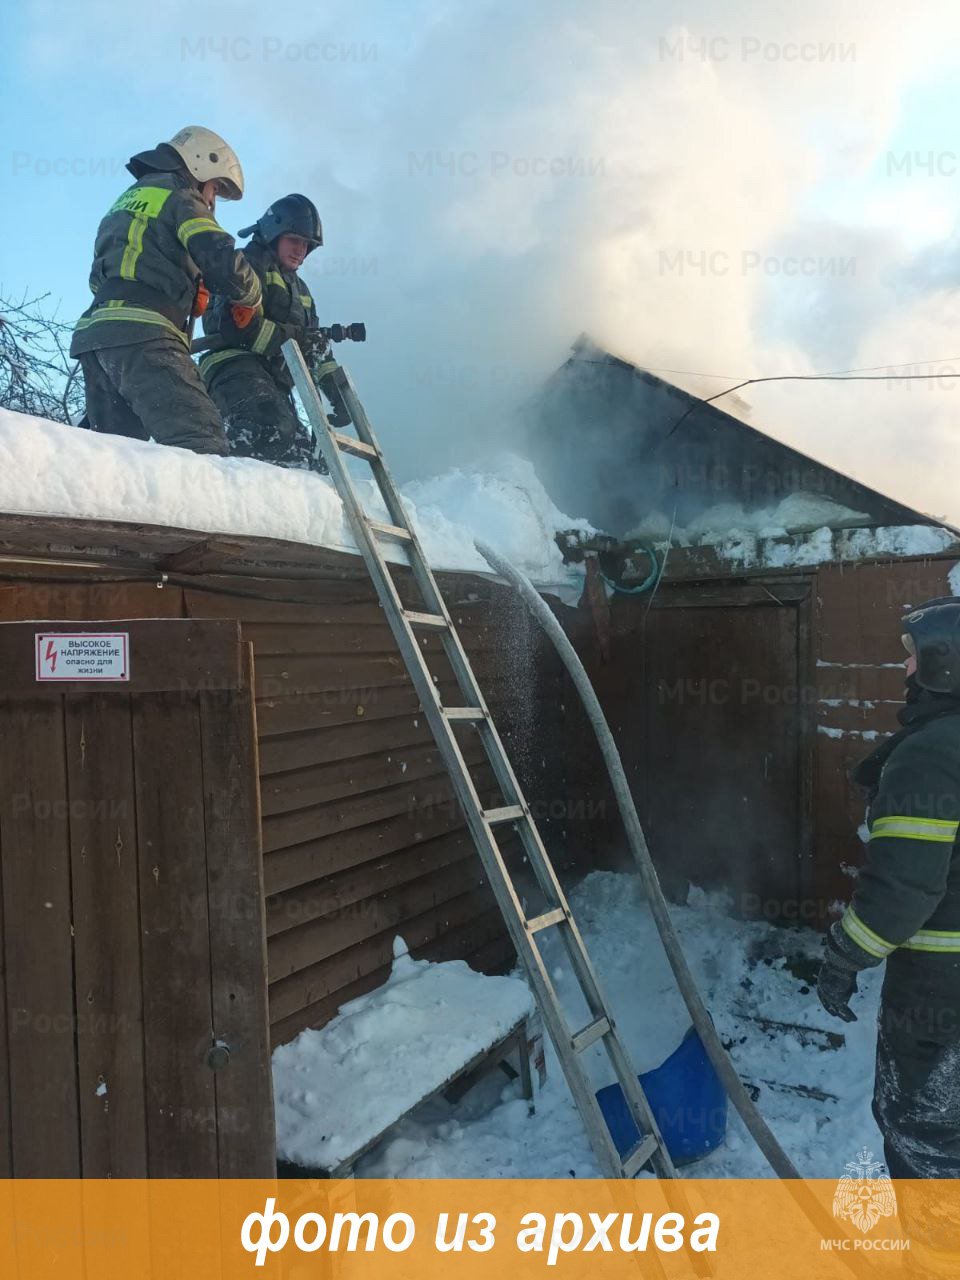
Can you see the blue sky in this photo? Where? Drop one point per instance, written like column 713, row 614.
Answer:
column 63, row 169
column 494, row 179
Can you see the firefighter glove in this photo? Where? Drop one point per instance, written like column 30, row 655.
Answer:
column 201, row 301
column 244, row 316
column 836, row 984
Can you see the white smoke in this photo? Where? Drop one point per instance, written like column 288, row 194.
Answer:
column 700, row 192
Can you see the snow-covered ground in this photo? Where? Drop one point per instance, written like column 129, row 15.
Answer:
column 746, row 971
column 49, row 468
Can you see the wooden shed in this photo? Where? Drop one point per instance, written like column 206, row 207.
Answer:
column 201, row 861
column 747, row 686
column 269, row 710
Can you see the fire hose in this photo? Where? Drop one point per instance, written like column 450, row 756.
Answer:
column 758, row 1128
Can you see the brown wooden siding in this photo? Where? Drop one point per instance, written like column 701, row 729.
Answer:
column 362, row 837
column 857, row 693
column 678, row 706
column 363, row 840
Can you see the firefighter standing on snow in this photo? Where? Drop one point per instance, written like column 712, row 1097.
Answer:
column 245, row 372
column 906, row 909
column 157, row 251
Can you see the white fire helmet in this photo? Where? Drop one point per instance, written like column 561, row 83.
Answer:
column 209, row 158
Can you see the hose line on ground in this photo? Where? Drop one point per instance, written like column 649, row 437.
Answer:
column 777, row 1157
column 759, row 1130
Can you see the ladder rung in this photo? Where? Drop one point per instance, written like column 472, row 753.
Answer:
column 349, row 444
column 590, row 1034
column 556, row 916
column 509, row 813
column 484, row 825
column 391, row 531
column 634, row 1161
column 431, row 621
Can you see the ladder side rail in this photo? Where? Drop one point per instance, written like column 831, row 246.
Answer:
column 584, row 1097
column 637, row 1101
column 366, row 541
column 422, row 573
column 429, row 589
column 484, row 840
column 403, row 634
column 589, row 984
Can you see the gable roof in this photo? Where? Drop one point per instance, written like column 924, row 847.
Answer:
column 615, row 442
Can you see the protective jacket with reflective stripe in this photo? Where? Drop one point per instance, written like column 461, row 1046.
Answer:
column 908, row 894
column 286, row 302
column 151, row 250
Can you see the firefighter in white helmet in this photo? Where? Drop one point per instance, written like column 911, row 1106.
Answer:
column 159, row 252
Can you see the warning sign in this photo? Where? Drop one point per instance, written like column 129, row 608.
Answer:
column 83, row 655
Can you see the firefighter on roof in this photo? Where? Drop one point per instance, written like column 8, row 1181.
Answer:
column 245, row 371
column 157, row 253
column 906, row 908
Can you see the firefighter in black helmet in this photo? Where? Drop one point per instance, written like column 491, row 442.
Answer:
column 906, row 908
column 246, row 374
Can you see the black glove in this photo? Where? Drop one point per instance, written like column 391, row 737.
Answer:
column 836, row 984
column 323, row 376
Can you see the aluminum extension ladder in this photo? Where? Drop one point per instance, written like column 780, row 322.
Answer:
column 483, row 823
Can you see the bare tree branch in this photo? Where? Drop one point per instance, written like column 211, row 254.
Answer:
column 36, row 373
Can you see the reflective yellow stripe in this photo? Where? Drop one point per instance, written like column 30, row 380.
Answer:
column 194, row 226
column 209, row 362
column 131, row 254
column 934, row 940
column 267, row 330
column 306, row 301
column 899, row 827
column 864, row 937
column 118, row 310
column 142, row 203
column 274, row 277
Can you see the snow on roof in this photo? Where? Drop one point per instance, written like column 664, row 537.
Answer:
column 803, row 529
column 339, row 1088
column 51, row 469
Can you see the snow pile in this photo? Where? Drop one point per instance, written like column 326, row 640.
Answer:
column 510, row 503
column 338, row 1088
column 953, row 577
column 824, row 545
column 729, row 520
column 49, row 468
column 803, row 529
column 755, row 980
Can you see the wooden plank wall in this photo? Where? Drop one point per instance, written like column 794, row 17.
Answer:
column 858, row 691
column 849, row 690
column 363, row 840
column 119, row 975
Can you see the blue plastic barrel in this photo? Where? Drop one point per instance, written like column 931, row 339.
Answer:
column 686, row 1097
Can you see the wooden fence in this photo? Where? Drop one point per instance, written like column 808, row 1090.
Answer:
column 133, row 1023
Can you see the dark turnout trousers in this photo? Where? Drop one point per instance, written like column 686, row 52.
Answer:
column 258, row 413
column 151, row 390
column 917, row 1092
column 917, row 1101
